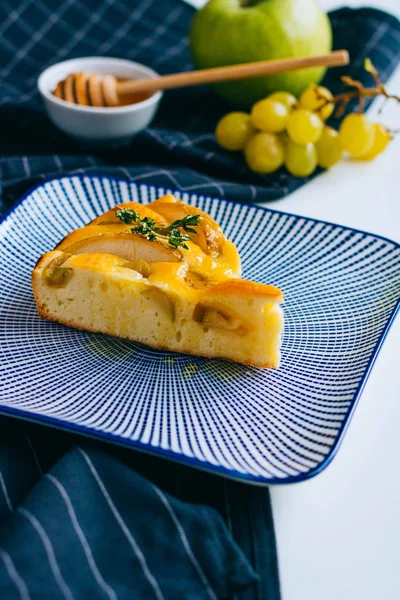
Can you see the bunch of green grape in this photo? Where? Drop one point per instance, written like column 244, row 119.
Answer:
column 282, row 130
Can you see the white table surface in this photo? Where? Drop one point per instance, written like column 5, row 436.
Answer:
column 338, row 534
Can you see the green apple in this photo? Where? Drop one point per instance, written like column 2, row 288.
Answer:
column 228, row 32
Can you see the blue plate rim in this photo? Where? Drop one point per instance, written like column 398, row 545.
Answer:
column 193, row 462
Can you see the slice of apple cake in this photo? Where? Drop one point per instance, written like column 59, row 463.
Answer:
column 165, row 275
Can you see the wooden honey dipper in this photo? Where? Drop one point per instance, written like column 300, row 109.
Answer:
column 107, row 90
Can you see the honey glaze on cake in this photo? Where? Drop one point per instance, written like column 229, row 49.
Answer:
column 164, row 275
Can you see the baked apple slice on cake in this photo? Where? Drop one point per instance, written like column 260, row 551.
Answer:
column 164, row 275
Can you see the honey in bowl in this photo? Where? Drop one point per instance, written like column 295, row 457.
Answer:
column 96, row 91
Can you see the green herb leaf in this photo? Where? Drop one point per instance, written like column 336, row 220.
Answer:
column 177, row 239
column 127, row 216
column 187, row 223
column 145, row 226
column 149, row 229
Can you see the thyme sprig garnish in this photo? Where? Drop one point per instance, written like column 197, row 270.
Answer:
column 151, row 231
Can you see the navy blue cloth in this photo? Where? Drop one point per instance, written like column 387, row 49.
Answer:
column 179, row 149
column 81, row 521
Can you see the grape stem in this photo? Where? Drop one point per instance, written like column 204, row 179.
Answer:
column 360, row 92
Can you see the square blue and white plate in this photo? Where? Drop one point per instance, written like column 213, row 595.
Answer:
column 342, row 291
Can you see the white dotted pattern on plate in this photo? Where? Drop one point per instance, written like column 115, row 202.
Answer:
column 342, row 289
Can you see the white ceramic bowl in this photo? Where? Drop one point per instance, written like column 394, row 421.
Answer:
column 111, row 126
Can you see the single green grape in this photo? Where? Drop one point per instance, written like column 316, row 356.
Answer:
column 381, row 139
column 234, row 130
column 356, row 134
column 300, row 159
column 285, row 98
column 314, row 98
column 264, row 153
column 329, row 148
column 304, row 126
column 269, row 115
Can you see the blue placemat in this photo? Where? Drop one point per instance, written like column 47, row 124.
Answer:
column 179, row 149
